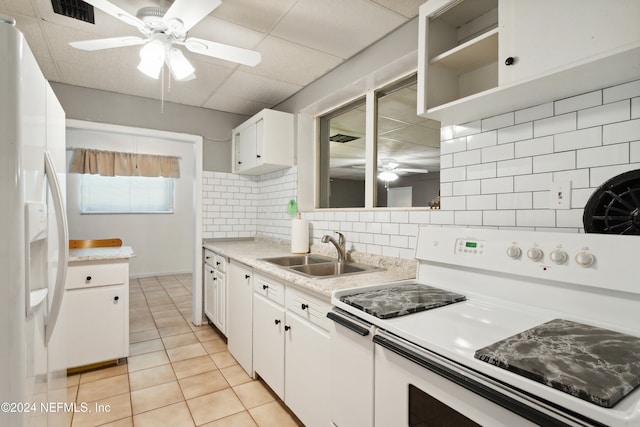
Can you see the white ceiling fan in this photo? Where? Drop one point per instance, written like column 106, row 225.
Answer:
column 389, row 169
column 162, row 30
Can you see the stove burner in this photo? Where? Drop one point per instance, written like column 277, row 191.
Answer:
column 400, row 300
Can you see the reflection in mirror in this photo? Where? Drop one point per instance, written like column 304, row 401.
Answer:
column 342, row 151
column 408, row 148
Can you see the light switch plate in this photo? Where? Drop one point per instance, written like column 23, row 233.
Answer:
column 560, row 196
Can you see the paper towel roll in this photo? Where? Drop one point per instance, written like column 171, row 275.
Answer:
column 299, row 236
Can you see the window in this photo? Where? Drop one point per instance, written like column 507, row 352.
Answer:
column 404, row 151
column 126, row 194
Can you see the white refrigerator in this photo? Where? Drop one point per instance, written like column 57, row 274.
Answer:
column 33, row 237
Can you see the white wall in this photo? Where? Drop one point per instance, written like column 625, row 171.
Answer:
column 163, row 243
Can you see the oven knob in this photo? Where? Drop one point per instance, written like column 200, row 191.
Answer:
column 585, row 259
column 558, row 256
column 514, row 252
column 534, row 254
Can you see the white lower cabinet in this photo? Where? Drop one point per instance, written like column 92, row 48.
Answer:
column 93, row 325
column 291, row 352
column 240, row 314
column 215, row 290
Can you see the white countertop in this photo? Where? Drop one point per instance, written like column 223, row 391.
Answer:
column 250, row 252
column 99, row 254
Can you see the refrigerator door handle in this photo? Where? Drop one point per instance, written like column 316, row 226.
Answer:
column 63, row 245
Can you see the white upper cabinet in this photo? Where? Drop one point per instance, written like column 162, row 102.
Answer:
column 263, row 144
column 478, row 58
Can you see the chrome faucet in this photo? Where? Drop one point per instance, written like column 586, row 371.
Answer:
column 340, row 244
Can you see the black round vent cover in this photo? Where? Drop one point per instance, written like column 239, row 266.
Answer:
column 614, row 208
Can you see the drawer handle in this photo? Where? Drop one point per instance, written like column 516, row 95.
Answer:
column 304, row 306
column 287, row 327
column 215, row 278
column 277, row 321
column 246, row 276
column 211, row 271
column 88, row 278
column 265, row 287
column 207, row 257
column 217, row 262
column 509, row 61
column 115, row 299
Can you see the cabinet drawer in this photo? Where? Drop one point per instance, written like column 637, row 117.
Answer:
column 269, row 288
column 221, row 263
column 210, row 257
column 97, row 274
column 308, row 307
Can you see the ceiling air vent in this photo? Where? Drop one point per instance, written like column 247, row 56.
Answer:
column 341, row 138
column 76, row 9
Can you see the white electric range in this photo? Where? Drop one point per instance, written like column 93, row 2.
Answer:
column 576, row 298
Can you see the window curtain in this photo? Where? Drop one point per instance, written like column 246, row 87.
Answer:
column 113, row 163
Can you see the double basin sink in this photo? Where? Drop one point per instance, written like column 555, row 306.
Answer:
column 312, row 265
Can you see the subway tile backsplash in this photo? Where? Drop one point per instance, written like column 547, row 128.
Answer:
column 495, row 172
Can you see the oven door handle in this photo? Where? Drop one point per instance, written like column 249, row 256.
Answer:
column 438, row 365
column 348, row 323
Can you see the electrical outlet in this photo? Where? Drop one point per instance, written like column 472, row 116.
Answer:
column 560, row 197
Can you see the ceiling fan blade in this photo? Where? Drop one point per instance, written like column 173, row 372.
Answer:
column 100, row 44
column 188, row 13
column 113, row 10
column 223, row 51
column 412, row 170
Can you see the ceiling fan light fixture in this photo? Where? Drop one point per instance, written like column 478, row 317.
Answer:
column 180, row 67
column 388, row 176
column 152, row 56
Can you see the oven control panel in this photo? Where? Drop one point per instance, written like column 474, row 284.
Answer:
column 578, row 258
column 469, row 247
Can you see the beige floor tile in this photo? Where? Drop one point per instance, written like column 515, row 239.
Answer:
column 100, row 374
column 143, row 335
column 170, row 321
column 107, row 387
column 143, row 347
column 119, row 408
column 241, row 419
column 253, row 394
column 168, row 331
column 141, row 325
column 202, row 384
column 73, row 380
column 125, row 422
column 190, row 367
column 155, row 397
column 162, row 307
column 206, row 334
column 214, row 406
column 235, row 375
column 214, row 346
column 148, row 360
column 151, row 377
column 172, row 312
column 190, row 351
column 72, row 393
column 176, row 415
column 223, row 359
column 272, row 415
column 179, row 340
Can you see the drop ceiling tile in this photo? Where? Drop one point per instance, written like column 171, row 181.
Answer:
column 16, row 7
column 259, row 15
column 407, row 8
column 234, row 104
column 257, row 88
column 337, row 27
column 282, row 60
column 351, row 122
column 416, row 135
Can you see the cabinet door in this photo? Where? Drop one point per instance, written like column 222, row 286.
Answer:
column 268, row 343
column 239, row 317
column 93, row 320
column 209, row 292
column 307, row 371
column 246, row 148
column 220, row 302
column 260, row 143
column 574, row 30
